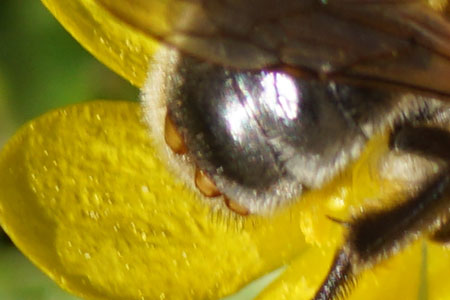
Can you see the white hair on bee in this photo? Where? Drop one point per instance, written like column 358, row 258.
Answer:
column 156, row 89
column 161, row 79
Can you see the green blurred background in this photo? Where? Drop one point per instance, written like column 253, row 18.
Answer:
column 41, row 68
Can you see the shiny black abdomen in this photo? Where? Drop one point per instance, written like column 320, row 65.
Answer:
column 265, row 135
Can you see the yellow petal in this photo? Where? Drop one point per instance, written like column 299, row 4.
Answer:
column 303, row 277
column 438, row 271
column 414, row 273
column 84, row 196
column 82, row 193
column 420, row 272
column 125, row 34
column 123, row 48
column 396, row 278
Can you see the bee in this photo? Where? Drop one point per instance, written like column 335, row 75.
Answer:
column 270, row 99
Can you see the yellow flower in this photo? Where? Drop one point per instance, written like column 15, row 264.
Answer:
column 85, row 197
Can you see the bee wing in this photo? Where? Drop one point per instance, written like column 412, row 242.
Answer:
column 410, row 40
column 394, row 41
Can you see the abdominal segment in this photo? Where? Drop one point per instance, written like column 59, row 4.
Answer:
column 263, row 137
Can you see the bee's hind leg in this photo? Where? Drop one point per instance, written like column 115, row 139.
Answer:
column 442, row 235
column 375, row 236
column 437, row 146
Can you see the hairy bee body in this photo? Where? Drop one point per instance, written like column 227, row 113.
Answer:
column 266, row 136
column 274, row 101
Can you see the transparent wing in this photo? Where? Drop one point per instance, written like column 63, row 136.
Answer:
column 394, row 41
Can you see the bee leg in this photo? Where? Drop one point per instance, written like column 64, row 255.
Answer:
column 436, row 146
column 426, row 141
column 338, row 278
column 439, row 147
column 442, row 235
column 375, row 236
